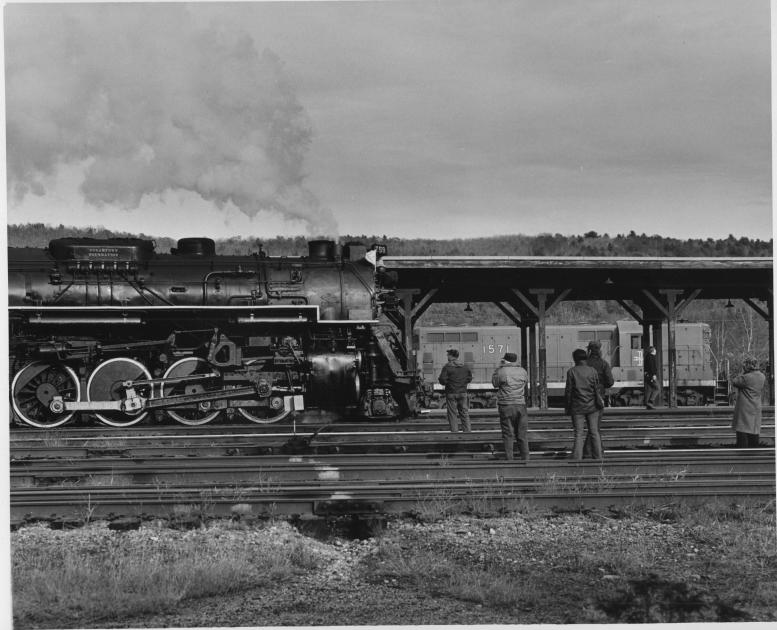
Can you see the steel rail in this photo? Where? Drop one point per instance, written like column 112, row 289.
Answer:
column 377, row 499
column 313, row 420
column 353, row 485
column 477, row 440
column 409, row 466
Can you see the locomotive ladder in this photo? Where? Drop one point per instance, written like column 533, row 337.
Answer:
column 723, row 387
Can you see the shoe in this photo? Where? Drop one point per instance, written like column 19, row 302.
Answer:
column 649, row 407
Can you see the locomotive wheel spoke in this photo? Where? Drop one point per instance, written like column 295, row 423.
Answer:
column 190, row 414
column 105, row 384
column 35, row 385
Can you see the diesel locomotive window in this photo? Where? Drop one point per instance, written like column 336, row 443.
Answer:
column 636, row 342
column 469, row 336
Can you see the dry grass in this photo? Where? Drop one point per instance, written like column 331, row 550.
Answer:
column 110, row 576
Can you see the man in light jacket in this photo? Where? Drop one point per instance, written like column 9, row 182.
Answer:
column 454, row 376
column 510, row 381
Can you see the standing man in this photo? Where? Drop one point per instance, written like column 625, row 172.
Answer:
column 580, row 395
column 604, row 373
column 747, row 409
column 510, row 380
column 454, row 376
column 651, row 378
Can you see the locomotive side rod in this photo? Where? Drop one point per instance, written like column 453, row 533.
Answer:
column 138, row 403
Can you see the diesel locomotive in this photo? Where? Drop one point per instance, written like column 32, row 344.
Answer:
column 481, row 348
column 114, row 330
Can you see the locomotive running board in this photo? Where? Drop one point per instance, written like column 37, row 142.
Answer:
column 136, row 315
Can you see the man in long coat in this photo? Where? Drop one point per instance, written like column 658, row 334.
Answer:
column 747, row 409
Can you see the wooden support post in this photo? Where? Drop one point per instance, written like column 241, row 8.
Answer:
column 524, row 346
column 533, row 363
column 540, row 376
column 407, row 329
column 542, row 351
column 671, row 297
column 658, row 344
column 645, row 345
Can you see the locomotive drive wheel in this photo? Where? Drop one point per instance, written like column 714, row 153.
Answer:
column 192, row 414
column 265, row 415
column 105, row 383
column 33, row 388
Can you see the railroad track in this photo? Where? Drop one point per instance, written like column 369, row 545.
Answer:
column 363, row 485
column 317, row 467
column 544, row 434
column 429, row 420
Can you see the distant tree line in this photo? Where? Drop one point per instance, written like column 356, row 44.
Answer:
column 589, row 244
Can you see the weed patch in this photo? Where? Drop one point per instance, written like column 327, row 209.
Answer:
column 63, row 577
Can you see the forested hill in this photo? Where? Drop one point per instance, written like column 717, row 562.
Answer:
column 589, row 244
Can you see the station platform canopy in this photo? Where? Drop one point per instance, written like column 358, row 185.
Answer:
column 653, row 290
column 476, row 278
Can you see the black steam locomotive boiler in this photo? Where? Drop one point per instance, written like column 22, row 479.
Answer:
column 114, row 330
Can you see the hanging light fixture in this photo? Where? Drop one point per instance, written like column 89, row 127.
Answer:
column 729, row 305
column 468, row 308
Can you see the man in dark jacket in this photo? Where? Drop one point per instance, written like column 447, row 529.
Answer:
column 651, row 378
column 604, row 373
column 580, row 395
column 510, row 381
column 454, row 376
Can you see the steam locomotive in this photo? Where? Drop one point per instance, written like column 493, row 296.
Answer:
column 116, row 330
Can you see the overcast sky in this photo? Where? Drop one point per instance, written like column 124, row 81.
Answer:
column 413, row 119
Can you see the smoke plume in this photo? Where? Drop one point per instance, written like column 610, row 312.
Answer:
column 151, row 103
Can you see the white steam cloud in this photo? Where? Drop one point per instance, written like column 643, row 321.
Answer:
column 151, row 103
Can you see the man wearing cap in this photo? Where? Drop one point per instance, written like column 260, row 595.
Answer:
column 651, row 378
column 510, row 381
column 604, row 373
column 454, row 376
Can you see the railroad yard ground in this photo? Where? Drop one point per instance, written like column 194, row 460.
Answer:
column 671, row 563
